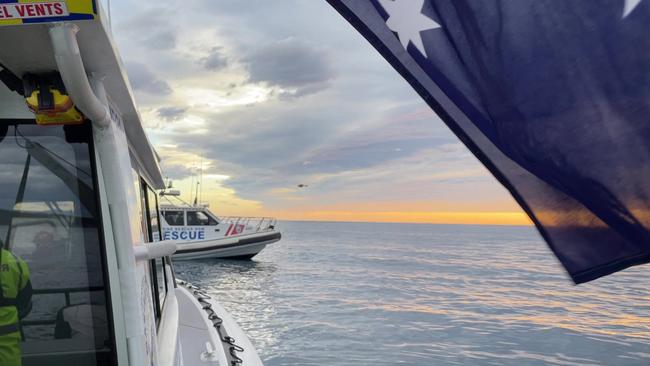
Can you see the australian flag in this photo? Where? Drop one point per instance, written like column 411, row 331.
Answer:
column 552, row 96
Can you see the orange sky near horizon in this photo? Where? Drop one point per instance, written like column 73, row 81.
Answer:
column 223, row 201
column 335, row 139
column 419, row 217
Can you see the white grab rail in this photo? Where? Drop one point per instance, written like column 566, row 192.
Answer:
column 73, row 74
column 154, row 250
column 262, row 223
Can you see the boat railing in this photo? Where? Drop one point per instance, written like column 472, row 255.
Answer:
column 258, row 223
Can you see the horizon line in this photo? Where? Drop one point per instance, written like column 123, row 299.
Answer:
column 407, row 222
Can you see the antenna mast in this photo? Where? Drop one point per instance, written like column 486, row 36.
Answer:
column 196, row 196
column 201, row 181
column 192, row 181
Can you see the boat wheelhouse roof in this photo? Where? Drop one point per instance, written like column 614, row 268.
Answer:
column 27, row 48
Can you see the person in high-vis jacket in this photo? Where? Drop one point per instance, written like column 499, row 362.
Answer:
column 15, row 304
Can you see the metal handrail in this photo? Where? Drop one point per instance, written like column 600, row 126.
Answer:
column 244, row 220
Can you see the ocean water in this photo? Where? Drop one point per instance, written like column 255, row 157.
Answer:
column 385, row 294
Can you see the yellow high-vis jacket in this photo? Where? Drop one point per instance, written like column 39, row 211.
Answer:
column 15, row 303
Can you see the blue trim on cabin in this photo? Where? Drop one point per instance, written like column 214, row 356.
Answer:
column 72, row 16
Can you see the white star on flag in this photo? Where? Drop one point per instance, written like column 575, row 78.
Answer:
column 406, row 19
column 629, row 6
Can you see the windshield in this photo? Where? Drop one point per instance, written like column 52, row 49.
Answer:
column 48, row 218
column 198, row 218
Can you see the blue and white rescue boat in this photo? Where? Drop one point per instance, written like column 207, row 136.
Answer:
column 205, row 235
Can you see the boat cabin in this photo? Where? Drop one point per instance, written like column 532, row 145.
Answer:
column 78, row 206
column 57, row 207
column 194, row 221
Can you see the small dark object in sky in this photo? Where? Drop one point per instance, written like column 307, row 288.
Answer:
column 302, row 185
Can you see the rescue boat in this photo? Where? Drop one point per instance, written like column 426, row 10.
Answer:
column 78, row 204
column 205, row 235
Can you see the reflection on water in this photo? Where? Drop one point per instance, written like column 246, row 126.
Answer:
column 380, row 294
column 247, row 288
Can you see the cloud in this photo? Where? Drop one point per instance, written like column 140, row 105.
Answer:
column 145, row 80
column 151, row 28
column 171, row 113
column 275, row 147
column 397, row 135
column 215, row 61
column 446, row 173
column 275, row 94
column 292, row 65
column 165, row 40
column 180, row 163
column 174, row 170
column 265, row 135
column 267, row 144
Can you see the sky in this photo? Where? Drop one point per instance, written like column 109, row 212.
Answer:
column 263, row 96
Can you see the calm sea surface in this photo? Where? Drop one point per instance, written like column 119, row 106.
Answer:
column 385, row 294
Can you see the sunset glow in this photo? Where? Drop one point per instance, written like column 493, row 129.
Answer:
column 473, row 218
column 273, row 121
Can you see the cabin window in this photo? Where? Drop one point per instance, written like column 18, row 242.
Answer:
column 49, row 218
column 198, row 218
column 152, row 207
column 157, row 266
column 161, row 281
column 141, row 205
column 174, row 218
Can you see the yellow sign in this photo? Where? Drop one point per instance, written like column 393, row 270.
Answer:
column 39, row 11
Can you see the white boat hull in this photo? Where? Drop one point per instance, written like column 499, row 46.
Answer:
column 222, row 341
column 234, row 247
